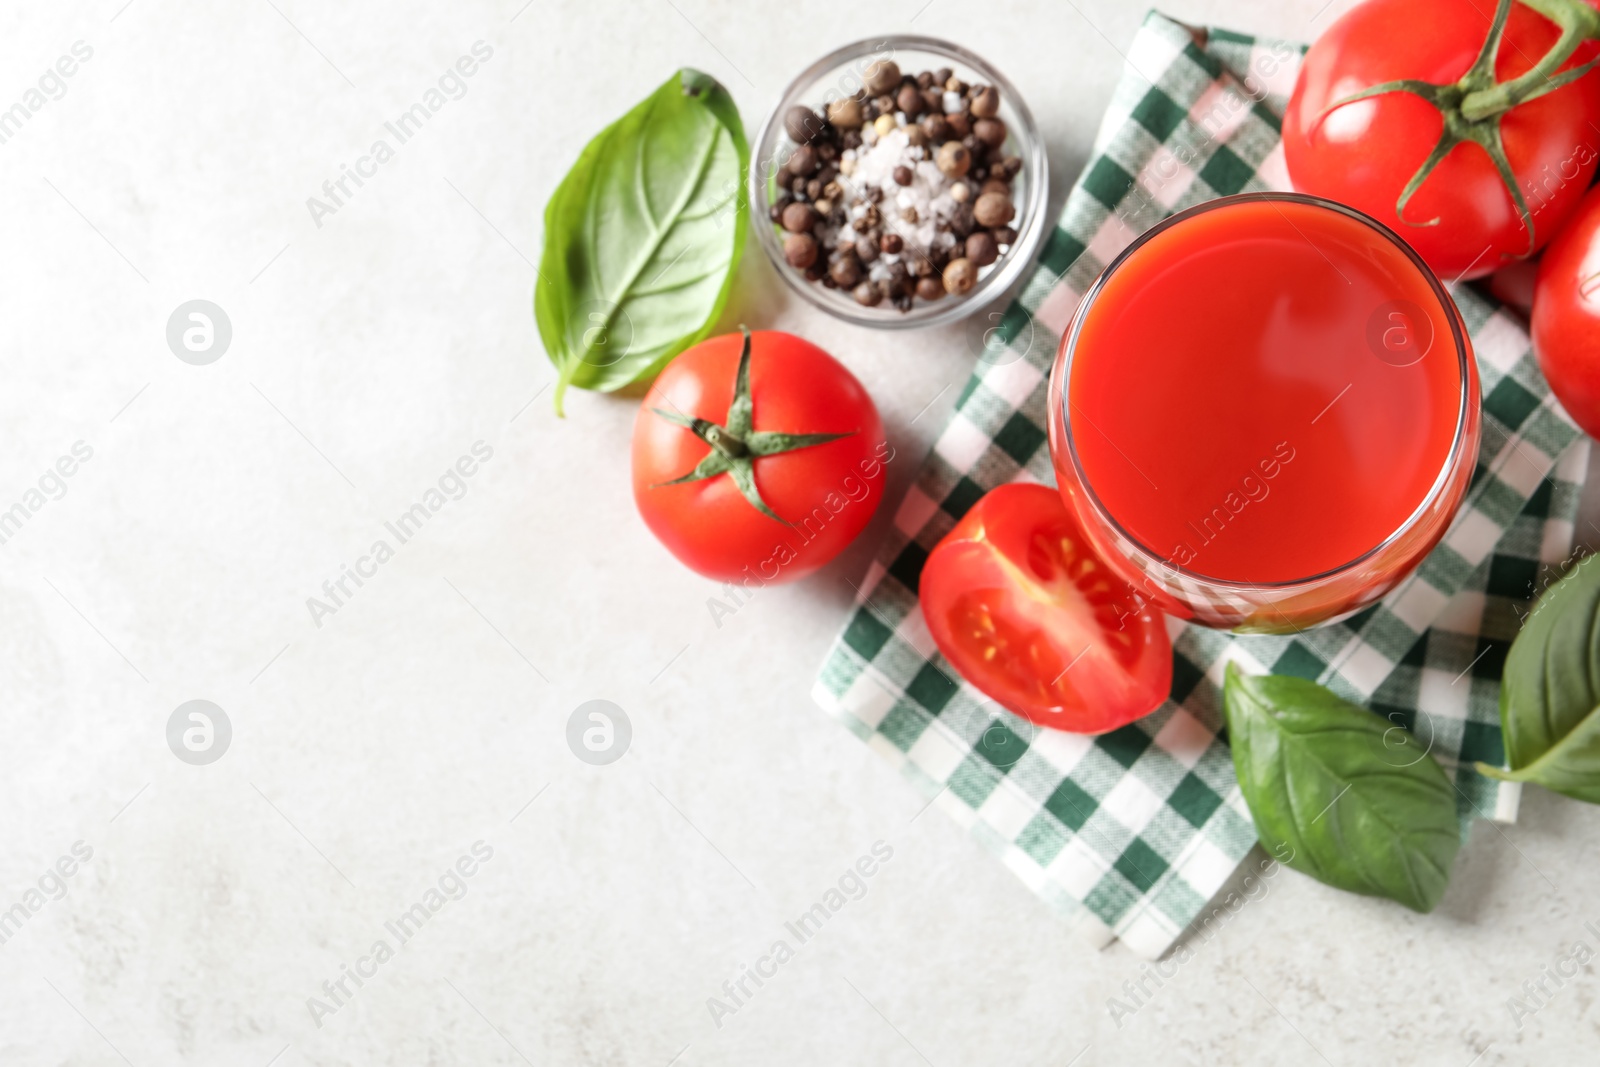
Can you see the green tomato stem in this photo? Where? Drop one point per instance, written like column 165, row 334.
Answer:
column 1578, row 22
column 736, row 445
column 729, row 445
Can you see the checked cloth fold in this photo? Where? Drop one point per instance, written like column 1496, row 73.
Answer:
column 1129, row 835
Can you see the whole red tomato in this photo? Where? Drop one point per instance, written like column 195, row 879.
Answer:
column 757, row 457
column 1566, row 315
column 1463, row 217
column 1022, row 608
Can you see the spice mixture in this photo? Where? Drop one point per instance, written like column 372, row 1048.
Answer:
column 901, row 192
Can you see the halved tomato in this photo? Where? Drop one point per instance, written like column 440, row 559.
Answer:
column 1023, row 609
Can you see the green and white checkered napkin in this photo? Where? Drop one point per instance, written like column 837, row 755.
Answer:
column 1131, row 833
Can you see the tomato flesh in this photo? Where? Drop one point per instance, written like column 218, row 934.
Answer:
column 1022, row 608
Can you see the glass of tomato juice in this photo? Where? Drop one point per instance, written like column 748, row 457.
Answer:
column 1265, row 412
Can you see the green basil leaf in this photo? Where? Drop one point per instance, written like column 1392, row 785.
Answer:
column 641, row 237
column 1550, row 688
column 1358, row 802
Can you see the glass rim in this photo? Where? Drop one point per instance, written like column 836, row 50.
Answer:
column 1452, row 460
column 1031, row 213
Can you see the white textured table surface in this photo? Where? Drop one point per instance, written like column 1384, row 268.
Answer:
column 371, row 753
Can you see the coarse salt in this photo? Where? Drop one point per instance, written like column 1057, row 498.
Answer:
column 928, row 196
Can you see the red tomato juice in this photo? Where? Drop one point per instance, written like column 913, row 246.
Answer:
column 1265, row 391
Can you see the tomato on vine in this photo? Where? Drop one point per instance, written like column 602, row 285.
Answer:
column 1473, row 138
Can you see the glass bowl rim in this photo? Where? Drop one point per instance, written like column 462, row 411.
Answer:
column 1035, row 161
column 1452, row 460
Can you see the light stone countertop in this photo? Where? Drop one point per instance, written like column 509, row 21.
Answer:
column 426, row 717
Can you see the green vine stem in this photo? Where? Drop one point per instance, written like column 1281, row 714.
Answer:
column 1578, row 22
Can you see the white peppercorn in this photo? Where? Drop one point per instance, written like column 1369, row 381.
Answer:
column 845, row 113
column 960, row 276
column 954, row 160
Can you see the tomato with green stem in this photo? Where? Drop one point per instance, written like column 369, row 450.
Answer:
column 1024, row 610
column 1473, row 138
column 757, row 457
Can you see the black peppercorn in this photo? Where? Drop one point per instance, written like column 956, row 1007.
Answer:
column 845, row 272
column 991, row 132
column 800, row 249
column 899, row 278
column 882, row 77
column 910, row 101
column 803, row 162
column 802, row 124
column 799, row 218
column 994, row 209
column 961, row 223
column 981, row 248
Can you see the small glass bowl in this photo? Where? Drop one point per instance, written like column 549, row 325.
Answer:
column 839, row 74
